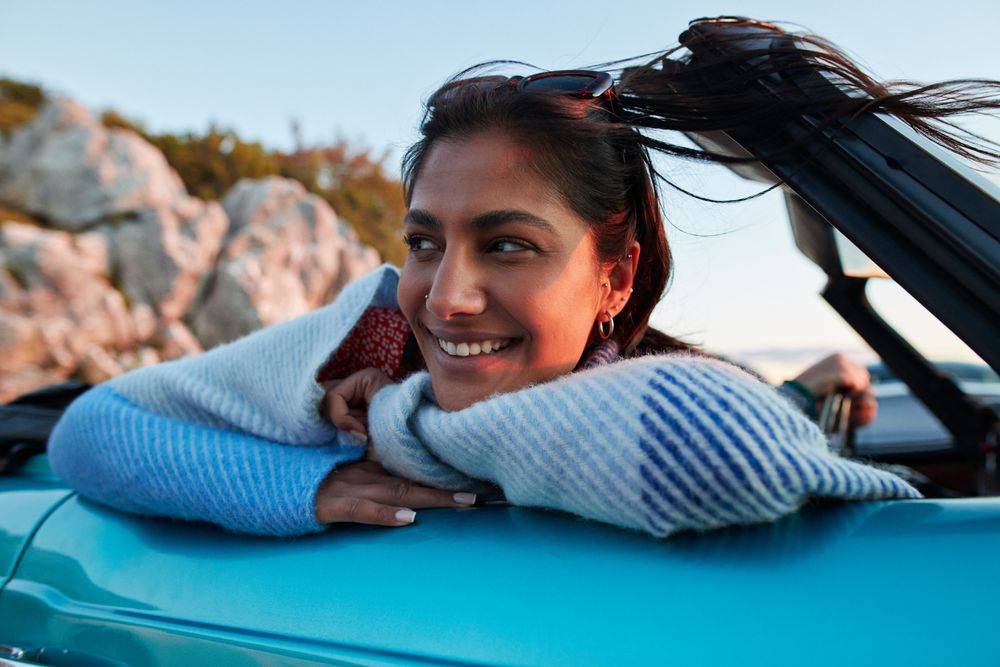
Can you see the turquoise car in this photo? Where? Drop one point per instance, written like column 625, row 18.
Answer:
column 889, row 582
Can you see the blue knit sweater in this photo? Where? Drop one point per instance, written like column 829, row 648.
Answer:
column 234, row 436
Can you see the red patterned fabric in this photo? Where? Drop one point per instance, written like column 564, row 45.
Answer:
column 376, row 341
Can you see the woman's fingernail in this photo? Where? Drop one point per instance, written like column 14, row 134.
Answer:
column 360, row 436
column 464, row 498
column 406, row 516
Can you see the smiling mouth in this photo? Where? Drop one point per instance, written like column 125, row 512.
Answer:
column 474, row 348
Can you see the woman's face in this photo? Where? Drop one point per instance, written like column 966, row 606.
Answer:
column 502, row 285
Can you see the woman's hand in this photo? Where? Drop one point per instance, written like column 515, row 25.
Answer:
column 838, row 373
column 347, row 400
column 364, row 492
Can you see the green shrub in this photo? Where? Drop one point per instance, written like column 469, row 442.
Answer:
column 210, row 164
column 19, row 102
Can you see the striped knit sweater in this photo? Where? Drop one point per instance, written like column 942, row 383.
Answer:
column 661, row 443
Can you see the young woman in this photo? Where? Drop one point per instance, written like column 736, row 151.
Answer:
column 513, row 349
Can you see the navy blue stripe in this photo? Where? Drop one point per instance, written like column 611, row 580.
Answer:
column 822, row 480
column 670, row 499
column 673, row 425
column 854, row 484
column 840, row 480
column 660, row 517
column 766, row 421
column 655, row 525
column 660, row 438
column 883, row 486
column 860, row 476
column 751, row 431
column 827, row 480
column 725, row 449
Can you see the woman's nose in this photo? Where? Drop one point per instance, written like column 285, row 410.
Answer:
column 458, row 288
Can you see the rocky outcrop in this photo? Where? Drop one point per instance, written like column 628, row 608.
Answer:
column 285, row 255
column 59, row 305
column 66, row 168
column 121, row 268
column 161, row 255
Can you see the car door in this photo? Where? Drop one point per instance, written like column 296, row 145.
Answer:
column 837, row 583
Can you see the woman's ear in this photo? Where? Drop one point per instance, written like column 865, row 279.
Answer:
column 619, row 283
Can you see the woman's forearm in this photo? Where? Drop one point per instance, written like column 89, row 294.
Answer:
column 121, row 454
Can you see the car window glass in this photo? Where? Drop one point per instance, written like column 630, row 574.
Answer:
column 854, row 262
column 918, row 326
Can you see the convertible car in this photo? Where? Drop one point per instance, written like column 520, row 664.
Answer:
column 890, row 582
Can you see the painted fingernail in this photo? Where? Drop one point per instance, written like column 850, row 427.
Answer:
column 360, row 435
column 464, row 498
column 406, row 516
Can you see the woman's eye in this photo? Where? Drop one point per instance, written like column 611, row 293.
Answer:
column 418, row 243
column 508, row 245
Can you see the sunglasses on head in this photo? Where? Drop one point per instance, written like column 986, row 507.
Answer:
column 584, row 84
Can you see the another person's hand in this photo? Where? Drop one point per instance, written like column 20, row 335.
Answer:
column 838, row 373
column 364, row 492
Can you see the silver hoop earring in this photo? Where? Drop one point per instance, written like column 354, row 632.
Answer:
column 606, row 334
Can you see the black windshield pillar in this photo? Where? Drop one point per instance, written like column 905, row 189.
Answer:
column 969, row 421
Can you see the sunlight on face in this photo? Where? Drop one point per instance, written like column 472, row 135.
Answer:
column 512, row 281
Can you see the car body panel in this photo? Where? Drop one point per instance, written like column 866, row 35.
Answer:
column 25, row 501
column 833, row 584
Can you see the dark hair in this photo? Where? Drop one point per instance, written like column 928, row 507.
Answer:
column 600, row 162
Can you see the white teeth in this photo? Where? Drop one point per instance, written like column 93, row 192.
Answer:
column 473, row 349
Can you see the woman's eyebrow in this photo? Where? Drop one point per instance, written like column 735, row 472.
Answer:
column 416, row 216
column 492, row 219
column 483, row 221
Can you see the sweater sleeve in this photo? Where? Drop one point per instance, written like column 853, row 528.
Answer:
column 232, row 436
column 659, row 444
column 120, row 454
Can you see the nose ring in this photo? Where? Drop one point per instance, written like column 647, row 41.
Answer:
column 427, row 296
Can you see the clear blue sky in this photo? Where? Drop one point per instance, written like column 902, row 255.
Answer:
column 361, row 69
